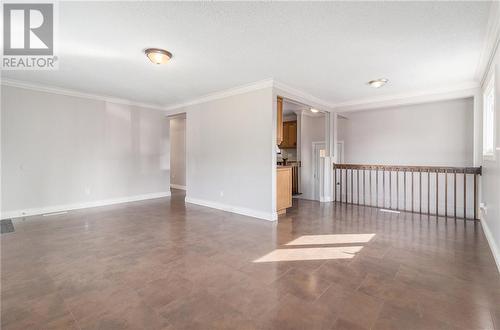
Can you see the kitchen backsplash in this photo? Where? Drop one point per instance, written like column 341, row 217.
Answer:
column 289, row 154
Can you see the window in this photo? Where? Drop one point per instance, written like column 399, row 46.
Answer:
column 489, row 121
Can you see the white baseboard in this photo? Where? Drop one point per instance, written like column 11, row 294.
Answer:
column 84, row 205
column 177, row 186
column 491, row 242
column 234, row 209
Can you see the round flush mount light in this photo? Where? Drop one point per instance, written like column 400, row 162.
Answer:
column 158, row 56
column 377, row 83
column 314, row 110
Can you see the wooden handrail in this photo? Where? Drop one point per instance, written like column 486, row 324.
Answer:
column 412, row 168
column 352, row 186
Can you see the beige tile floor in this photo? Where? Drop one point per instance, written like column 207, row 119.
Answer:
column 161, row 264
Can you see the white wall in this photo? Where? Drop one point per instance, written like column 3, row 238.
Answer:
column 62, row 152
column 438, row 133
column 490, row 183
column 312, row 130
column 230, row 153
column 178, row 151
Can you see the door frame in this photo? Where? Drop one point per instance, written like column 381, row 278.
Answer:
column 317, row 165
column 179, row 115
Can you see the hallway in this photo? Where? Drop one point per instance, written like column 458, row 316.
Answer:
column 164, row 264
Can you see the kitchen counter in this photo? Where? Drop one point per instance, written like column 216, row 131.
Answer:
column 283, row 188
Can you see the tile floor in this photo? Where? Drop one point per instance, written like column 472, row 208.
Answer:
column 161, row 264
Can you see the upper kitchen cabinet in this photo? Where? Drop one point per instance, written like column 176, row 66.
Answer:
column 289, row 140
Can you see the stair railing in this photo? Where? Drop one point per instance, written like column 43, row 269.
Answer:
column 432, row 190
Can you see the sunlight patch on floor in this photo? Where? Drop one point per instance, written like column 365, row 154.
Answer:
column 322, row 253
column 331, row 239
column 319, row 252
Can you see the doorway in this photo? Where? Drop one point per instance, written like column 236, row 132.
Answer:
column 178, row 151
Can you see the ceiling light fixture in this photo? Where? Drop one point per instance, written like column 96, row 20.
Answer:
column 377, row 83
column 314, row 110
column 158, row 56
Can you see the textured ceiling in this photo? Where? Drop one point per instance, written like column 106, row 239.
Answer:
column 327, row 49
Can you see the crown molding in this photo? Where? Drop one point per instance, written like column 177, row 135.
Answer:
column 302, row 97
column 490, row 45
column 290, row 92
column 224, row 93
column 74, row 93
column 464, row 90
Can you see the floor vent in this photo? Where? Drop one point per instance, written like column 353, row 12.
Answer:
column 6, row 226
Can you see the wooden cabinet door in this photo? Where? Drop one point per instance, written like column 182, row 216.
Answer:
column 283, row 188
column 286, row 136
column 292, row 134
column 289, row 135
column 279, row 121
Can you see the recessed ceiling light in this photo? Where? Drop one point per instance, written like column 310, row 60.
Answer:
column 314, row 110
column 158, row 56
column 377, row 83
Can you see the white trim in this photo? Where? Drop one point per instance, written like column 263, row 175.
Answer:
column 302, row 97
column 82, row 205
column 177, row 186
column 489, row 88
column 74, row 93
column 460, row 91
column 266, row 83
column 491, row 242
column 271, row 216
column 224, row 93
column 491, row 44
column 478, row 129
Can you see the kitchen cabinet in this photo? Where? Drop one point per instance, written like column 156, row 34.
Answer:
column 289, row 140
column 283, row 188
